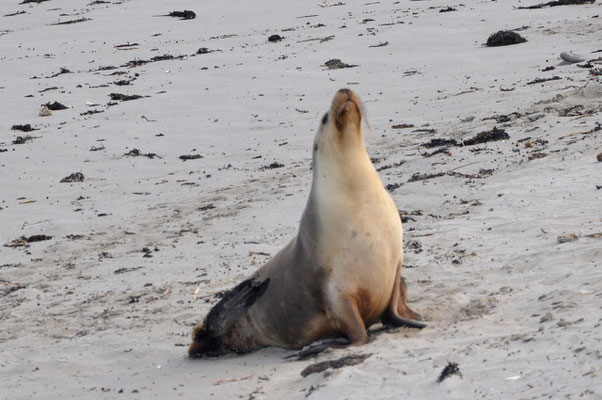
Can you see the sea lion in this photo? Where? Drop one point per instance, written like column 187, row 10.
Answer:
column 340, row 274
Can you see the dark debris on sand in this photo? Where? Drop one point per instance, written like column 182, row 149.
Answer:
column 336, row 63
column 33, row 1
column 487, row 136
column 275, row 38
column 73, row 21
column 23, row 241
column 185, row 157
column 15, row 13
column 273, row 165
column 504, row 38
column 138, row 153
column 440, row 150
column 335, row 364
column 483, row 173
column 423, row 177
column 503, row 118
column 402, row 126
column 23, row 139
column 440, row 142
column 165, row 57
column 91, row 112
column 449, row 370
column 124, row 97
column 62, row 71
column 23, row 128
column 541, row 80
column 55, row 106
column 36, row 238
column 558, row 3
column 493, row 135
column 391, row 187
column 74, row 177
column 186, row 14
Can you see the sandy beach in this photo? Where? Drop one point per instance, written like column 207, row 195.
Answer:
column 182, row 162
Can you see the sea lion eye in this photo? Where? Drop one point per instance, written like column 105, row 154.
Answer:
column 325, row 119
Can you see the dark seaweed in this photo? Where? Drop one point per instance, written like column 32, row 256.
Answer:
column 449, row 370
column 186, row 14
column 541, row 80
column 23, row 128
column 56, row 106
column 273, row 165
column 124, row 97
column 190, row 157
column 74, row 177
column 558, row 3
column 336, row 63
column 487, row 136
column 504, row 38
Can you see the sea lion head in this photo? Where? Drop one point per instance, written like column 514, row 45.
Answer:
column 340, row 129
column 203, row 343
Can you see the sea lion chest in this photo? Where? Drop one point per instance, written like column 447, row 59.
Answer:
column 360, row 238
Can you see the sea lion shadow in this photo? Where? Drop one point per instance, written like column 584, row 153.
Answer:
column 313, row 350
column 563, row 63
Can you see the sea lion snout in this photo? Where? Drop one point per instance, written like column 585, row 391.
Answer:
column 346, row 108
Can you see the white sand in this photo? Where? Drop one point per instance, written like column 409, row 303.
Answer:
column 490, row 267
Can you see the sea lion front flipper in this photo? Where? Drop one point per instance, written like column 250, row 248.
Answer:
column 234, row 305
column 349, row 322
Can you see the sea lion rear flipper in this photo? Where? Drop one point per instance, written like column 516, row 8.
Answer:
column 396, row 321
column 234, row 305
column 318, row 347
column 207, row 337
column 398, row 313
column 407, row 316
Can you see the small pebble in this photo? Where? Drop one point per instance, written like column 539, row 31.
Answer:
column 571, row 57
column 571, row 237
column 599, row 157
column 546, row 318
column 45, row 112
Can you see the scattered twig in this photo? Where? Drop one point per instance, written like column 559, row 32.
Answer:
column 541, row 80
column 227, row 380
column 73, row 21
column 557, row 3
column 15, row 13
